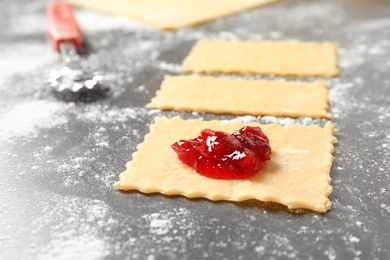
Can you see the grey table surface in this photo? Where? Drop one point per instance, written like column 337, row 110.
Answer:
column 59, row 159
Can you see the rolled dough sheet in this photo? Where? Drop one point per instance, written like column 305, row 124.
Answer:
column 278, row 58
column 171, row 14
column 242, row 96
column 296, row 176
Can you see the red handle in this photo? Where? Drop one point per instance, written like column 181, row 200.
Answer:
column 61, row 24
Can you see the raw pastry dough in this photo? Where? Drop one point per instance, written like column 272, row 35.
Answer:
column 278, row 58
column 296, row 176
column 171, row 14
column 242, row 96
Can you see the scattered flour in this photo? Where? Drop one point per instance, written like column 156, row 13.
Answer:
column 159, row 226
column 97, row 22
column 303, row 121
column 24, row 60
column 170, row 67
column 26, row 119
column 75, row 228
column 103, row 114
column 85, row 228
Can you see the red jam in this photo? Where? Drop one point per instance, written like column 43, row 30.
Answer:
column 219, row 155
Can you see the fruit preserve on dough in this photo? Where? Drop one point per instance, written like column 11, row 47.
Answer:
column 220, row 155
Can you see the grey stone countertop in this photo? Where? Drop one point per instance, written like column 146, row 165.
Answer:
column 59, row 158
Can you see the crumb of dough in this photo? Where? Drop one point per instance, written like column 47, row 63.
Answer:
column 297, row 176
column 266, row 57
column 171, row 14
column 243, row 97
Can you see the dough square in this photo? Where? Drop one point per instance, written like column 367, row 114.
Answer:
column 171, row 14
column 266, row 57
column 242, row 96
column 297, row 176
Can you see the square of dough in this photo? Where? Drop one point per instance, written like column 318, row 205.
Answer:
column 171, row 14
column 242, row 96
column 267, row 57
column 296, row 176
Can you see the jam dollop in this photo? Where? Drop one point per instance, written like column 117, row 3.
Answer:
column 220, row 155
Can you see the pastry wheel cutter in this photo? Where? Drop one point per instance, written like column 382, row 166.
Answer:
column 65, row 35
